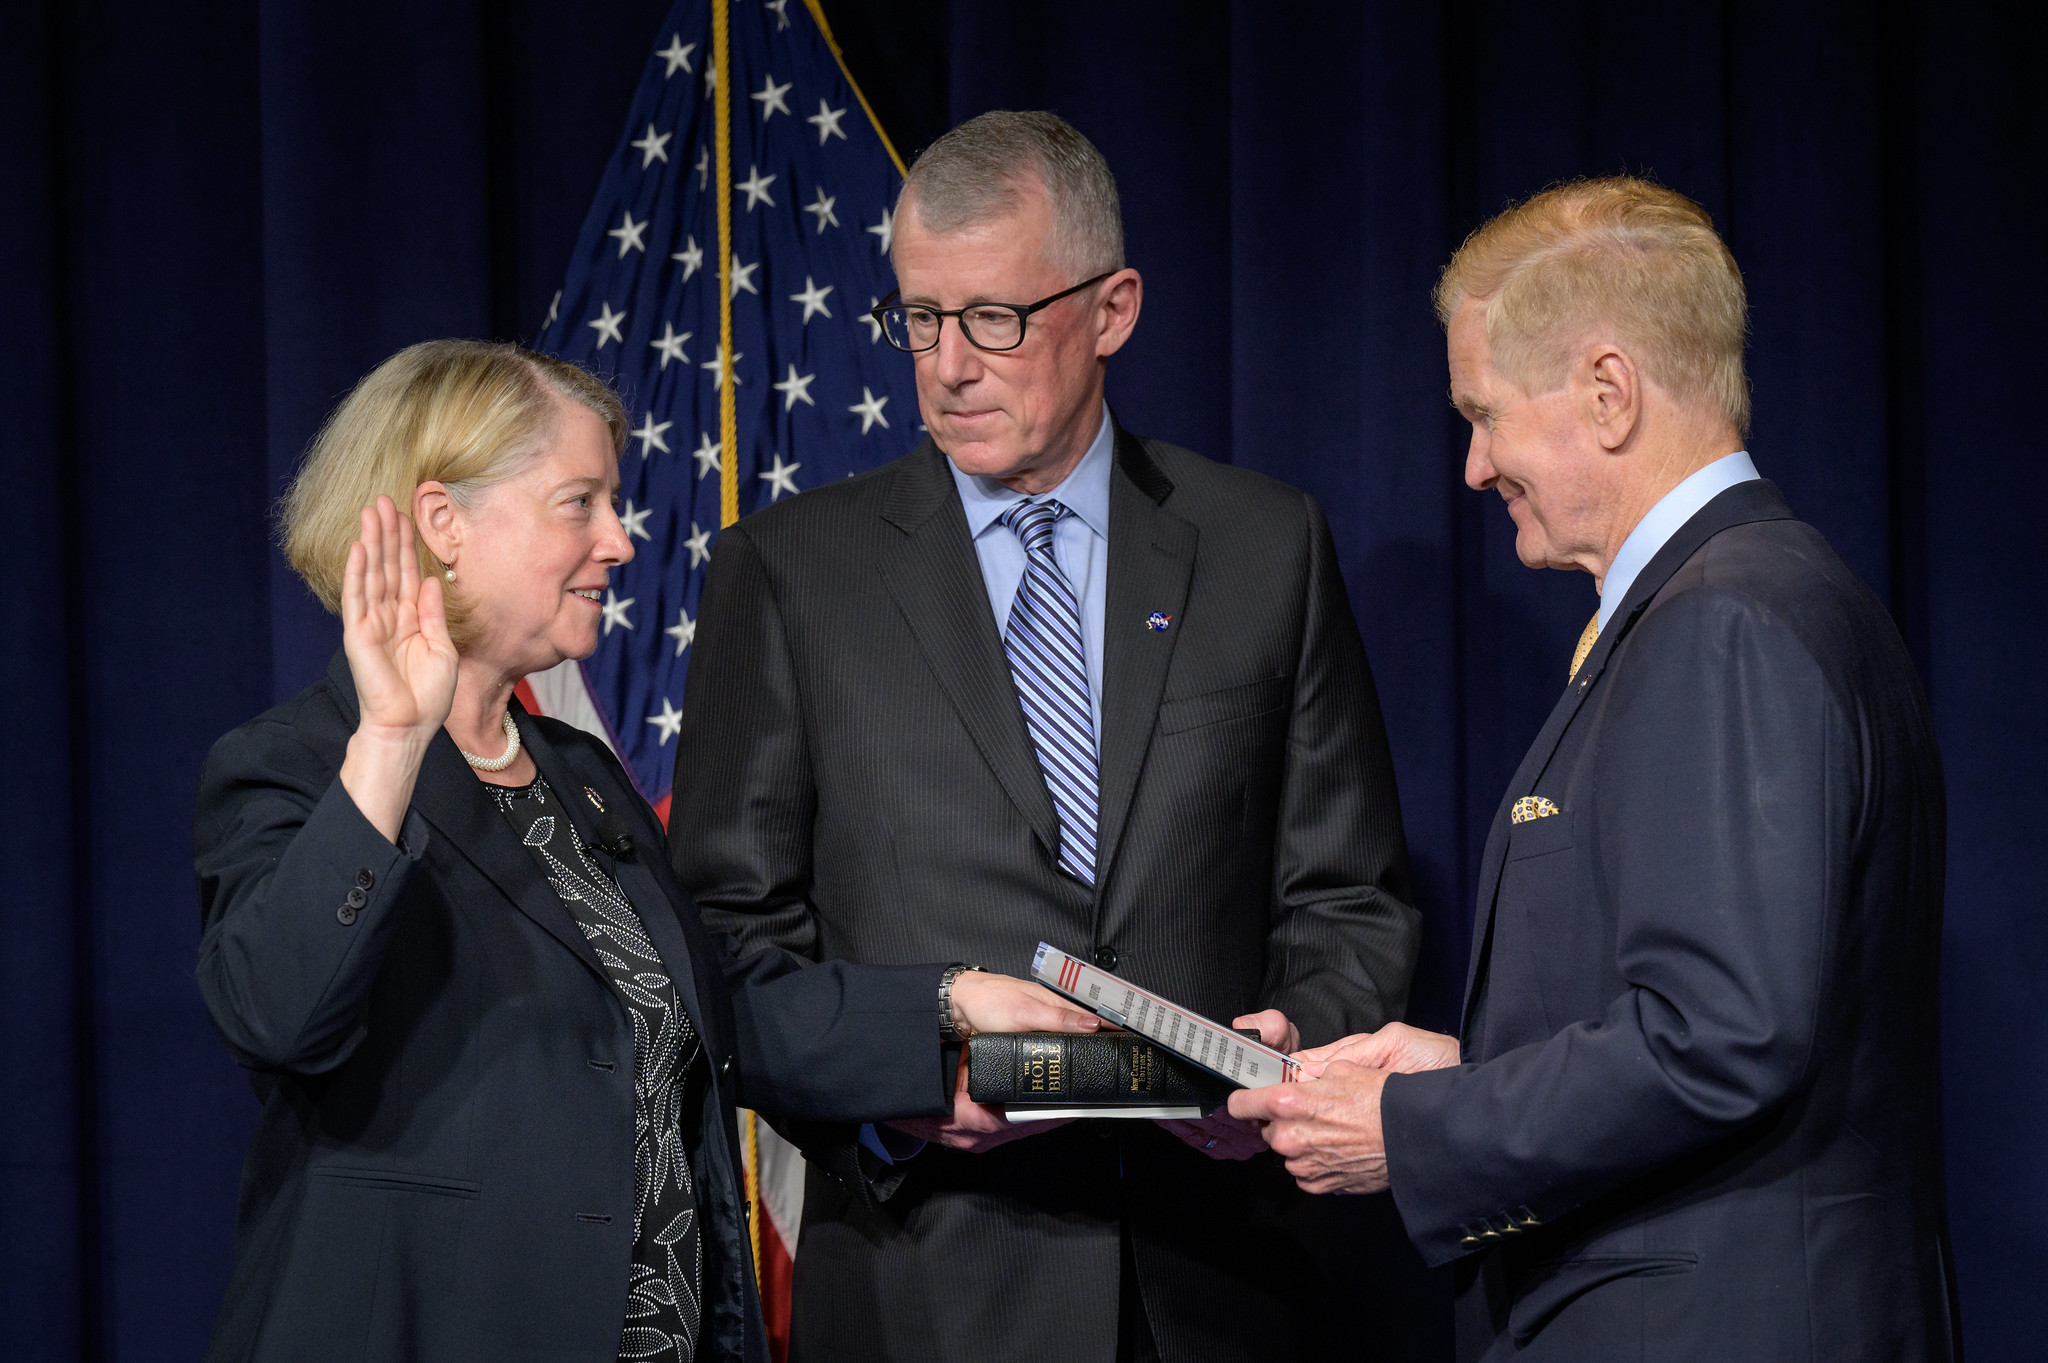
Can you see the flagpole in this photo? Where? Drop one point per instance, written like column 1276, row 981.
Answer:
column 728, row 411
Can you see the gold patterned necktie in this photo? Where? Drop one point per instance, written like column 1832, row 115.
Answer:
column 1585, row 646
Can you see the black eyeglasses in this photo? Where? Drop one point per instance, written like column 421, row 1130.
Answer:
column 987, row 326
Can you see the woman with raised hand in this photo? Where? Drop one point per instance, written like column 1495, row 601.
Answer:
column 498, row 1054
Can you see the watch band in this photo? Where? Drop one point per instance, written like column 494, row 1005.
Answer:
column 949, row 1025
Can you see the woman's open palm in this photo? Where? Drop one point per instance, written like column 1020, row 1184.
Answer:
column 394, row 629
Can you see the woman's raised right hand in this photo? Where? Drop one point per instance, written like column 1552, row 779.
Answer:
column 394, row 629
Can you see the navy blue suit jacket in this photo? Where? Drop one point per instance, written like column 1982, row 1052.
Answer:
column 444, row 1163
column 1698, row 1114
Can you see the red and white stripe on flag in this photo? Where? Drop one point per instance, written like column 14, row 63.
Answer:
column 775, row 1168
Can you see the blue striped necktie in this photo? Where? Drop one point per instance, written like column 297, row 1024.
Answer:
column 1043, row 643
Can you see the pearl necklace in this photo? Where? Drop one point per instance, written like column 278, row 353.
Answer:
column 496, row 763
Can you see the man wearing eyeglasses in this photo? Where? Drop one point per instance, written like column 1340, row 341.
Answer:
column 1046, row 680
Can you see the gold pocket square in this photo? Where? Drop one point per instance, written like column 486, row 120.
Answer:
column 1533, row 807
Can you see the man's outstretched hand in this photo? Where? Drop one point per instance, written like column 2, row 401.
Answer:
column 1327, row 1127
column 1396, row 1046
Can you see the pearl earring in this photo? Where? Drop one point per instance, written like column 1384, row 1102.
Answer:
column 451, row 574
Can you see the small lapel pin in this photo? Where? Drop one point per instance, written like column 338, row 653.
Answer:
column 594, row 799
column 1158, row 620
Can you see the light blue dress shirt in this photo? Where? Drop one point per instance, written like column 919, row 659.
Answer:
column 1080, row 542
column 1673, row 510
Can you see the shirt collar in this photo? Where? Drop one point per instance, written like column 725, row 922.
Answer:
column 1664, row 520
column 1085, row 492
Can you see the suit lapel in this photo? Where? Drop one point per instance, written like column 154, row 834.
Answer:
column 1758, row 500
column 931, row 570
column 1151, row 559
column 447, row 795
column 648, row 883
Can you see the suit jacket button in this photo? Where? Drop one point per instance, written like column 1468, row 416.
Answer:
column 364, row 880
column 725, row 1066
column 356, row 898
column 1105, row 958
column 345, row 915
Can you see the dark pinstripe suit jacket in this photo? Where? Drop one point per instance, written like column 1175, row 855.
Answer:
column 855, row 780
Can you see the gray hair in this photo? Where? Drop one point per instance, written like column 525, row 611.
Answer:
column 982, row 169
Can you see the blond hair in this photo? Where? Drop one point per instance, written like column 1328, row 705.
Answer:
column 467, row 414
column 1621, row 252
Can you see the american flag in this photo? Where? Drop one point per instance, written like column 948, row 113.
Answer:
column 818, row 394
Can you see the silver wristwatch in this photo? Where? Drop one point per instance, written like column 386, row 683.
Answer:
column 949, row 1025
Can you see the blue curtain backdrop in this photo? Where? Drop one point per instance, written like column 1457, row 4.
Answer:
column 214, row 217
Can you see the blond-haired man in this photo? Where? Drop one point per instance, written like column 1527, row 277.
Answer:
column 1694, row 1111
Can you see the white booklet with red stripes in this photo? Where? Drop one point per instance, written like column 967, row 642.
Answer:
column 1216, row 1048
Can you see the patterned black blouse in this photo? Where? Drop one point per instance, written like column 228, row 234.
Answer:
column 663, row 1308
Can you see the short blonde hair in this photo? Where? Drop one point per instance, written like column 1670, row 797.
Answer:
column 464, row 413
column 1621, row 251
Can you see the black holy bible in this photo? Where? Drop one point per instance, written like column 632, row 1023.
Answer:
column 1086, row 1074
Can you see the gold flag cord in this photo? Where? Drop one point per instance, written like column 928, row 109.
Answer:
column 728, row 413
column 728, row 461
column 818, row 13
column 753, row 1167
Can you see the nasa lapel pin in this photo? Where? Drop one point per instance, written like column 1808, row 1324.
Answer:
column 1158, row 620
column 594, row 799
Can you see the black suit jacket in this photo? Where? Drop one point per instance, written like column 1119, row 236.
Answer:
column 1698, row 1115
column 444, row 1163
column 855, row 780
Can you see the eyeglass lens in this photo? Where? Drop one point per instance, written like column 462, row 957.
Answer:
column 911, row 328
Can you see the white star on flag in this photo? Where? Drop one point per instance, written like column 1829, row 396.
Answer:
column 632, row 235
column 874, row 322
column 683, row 631
column 780, row 479
column 772, row 103
column 706, row 455
column 607, row 325
column 649, row 435
column 869, row 410
column 699, row 545
column 822, row 206
column 691, row 256
column 677, row 55
column 801, row 196
column 716, row 364
column 615, row 611
column 652, row 147
column 813, row 298
column 755, row 187
column 826, row 121
column 669, row 722
column 671, row 344
column 796, row 388
column 554, row 310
